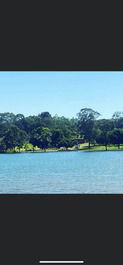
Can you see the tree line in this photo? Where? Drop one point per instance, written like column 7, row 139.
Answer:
column 44, row 131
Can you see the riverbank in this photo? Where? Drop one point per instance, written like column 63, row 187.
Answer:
column 98, row 148
column 82, row 147
column 85, row 149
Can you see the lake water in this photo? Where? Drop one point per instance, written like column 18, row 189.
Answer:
column 62, row 172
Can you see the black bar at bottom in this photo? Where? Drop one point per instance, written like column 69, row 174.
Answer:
column 61, row 227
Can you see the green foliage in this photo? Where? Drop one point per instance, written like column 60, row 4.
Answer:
column 28, row 147
column 41, row 132
column 105, row 125
column 57, row 136
column 86, row 118
column 41, row 137
column 103, row 138
column 62, row 149
column 36, row 148
column 14, row 137
column 2, row 145
column 116, row 137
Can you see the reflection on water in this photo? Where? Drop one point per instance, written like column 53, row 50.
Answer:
column 62, row 172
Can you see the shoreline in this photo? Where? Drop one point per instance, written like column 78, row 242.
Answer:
column 86, row 149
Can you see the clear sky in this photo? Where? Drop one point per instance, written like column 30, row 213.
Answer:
column 62, row 93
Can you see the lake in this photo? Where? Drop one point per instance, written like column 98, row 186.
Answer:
column 62, row 172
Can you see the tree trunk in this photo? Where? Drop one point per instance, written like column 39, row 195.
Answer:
column 89, row 145
column 106, row 147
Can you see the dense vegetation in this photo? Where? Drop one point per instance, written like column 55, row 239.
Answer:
column 18, row 133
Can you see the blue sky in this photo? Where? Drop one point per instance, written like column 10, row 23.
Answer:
column 62, row 93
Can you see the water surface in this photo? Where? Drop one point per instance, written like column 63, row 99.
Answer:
column 62, row 172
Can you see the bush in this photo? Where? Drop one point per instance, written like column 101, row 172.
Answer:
column 62, row 149
column 28, row 147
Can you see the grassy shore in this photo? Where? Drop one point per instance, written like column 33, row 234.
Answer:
column 81, row 147
column 100, row 148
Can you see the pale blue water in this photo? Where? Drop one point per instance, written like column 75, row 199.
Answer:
column 62, row 172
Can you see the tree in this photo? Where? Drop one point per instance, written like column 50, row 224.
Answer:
column 44, row 115
column 86, row 118
column 117, row 115
column 36, row 136
column 103, row 138
column 18, row 117
column 95, row 134
column 117, row 118
column 57, row 136
column 46, row 120
column 41, row 137
column 45, row 140
column 105, row 126
column 45, row 131
column 22, row 138
column 2, row 145
column 116, row 137
column 7, row 117
column 15, row 137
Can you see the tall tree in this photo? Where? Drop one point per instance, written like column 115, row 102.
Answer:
column 57, row 136
column 41, row 137
column 103, row 138
column 117, row 118
column 46, row 120
column 15, row 137
column 86, row 118
column 116, row 137
column 105, row 127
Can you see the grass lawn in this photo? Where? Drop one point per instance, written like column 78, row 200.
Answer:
column 102, row 148
column 84, row 147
